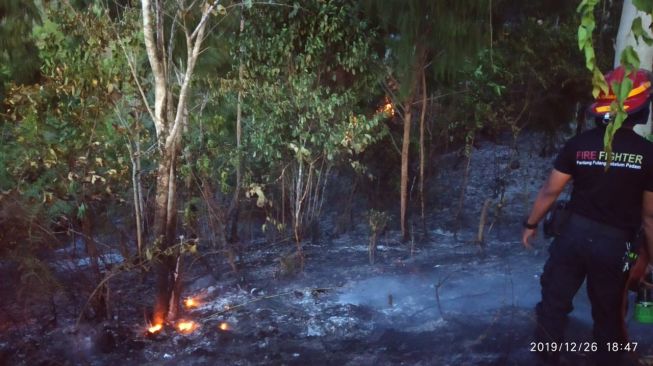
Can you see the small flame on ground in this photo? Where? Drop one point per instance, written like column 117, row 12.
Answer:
column 155, row 328
column 224, row 326
column 190, row 303
column 186, row 326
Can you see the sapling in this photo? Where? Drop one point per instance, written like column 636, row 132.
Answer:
column 378, row 221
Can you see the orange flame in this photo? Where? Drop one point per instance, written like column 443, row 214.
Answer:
column 190, row 303
column 387, row 108
column 186, row 326
column 155, row 328
column 224, row 326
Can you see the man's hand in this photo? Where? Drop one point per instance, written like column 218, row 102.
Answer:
column 527, row 236
column 649, row 269
column 545, row 198
column 647, row 223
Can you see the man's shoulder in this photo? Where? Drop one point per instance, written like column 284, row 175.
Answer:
column 628, row 135
column 591, row 133
column 592, row 137
column 639, row 141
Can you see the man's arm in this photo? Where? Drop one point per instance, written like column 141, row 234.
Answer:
column 647, row 220
column 545, row 198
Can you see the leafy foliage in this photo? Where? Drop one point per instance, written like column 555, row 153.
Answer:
column 17, row 18
column 447, row 31
column 628, row 59
column 308, row 82
column 312, row 81
column 303, row 91
column 520, row 82
column 64, row 148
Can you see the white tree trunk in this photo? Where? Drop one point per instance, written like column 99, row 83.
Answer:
column 157, row 63
column 170, row 121
column 625, row 38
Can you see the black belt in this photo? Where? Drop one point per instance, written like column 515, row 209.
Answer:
column 599, row 228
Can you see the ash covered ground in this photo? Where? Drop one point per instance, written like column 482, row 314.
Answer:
column 442, row 299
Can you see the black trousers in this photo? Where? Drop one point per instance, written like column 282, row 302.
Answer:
column 585, row 249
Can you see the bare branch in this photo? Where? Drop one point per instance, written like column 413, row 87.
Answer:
column 192, row 4
column 173, row 29
column 205, row 17
column 159, row 30
column 193, row 48
column 132, row 69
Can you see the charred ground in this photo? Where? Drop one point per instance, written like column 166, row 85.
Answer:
column 448, row 297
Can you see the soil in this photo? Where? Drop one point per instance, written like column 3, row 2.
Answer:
column 443, row 298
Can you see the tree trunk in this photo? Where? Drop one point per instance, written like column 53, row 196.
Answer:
column 418, row 72
column 174, row 307
column 234, row 209
column 645, row 52
column 626, row 38
column 135, row 158
column 422, row 157
column 170, row 121
column 405, row 150
column 165, row 218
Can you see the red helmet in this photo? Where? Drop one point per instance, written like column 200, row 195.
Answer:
column 637, row 99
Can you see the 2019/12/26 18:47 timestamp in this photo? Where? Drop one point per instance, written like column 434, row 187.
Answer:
column 581, row 346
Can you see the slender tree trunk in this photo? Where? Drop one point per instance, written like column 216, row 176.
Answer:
column 135, row 157
column 418, row 71
column 170, row 121
column 626, row 38
column 164, row 217
column 175, row 297
column 234, row 209
column 405, row 150
column 298, row 202
column 422, row 157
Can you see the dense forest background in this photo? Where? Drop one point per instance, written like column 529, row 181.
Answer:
column 229, row 121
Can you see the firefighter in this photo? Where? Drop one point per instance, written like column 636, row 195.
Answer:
column 607, row 208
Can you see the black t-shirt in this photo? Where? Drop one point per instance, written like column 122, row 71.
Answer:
column 613, row 197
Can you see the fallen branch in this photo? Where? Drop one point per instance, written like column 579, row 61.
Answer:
column 437, row 293
column 437, row 298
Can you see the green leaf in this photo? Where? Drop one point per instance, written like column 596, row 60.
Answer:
column 220, row 9
column 599, row 83
column 590, row 58
column 586, row 6
column 621, row 90
column 639, row 32
column 629, row 58
column 582, row 37
column 588, row 22
column 619, row 120
column 644, row 5
column 81, row 211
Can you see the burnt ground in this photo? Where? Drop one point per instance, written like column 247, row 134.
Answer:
column 441, row 299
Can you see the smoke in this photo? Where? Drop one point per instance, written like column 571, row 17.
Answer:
column 409, row 300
